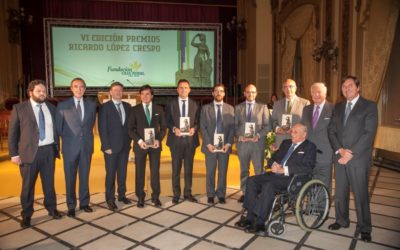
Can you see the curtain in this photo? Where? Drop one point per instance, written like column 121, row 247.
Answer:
column 10, row 60
column 379, row 34
column 300, row 25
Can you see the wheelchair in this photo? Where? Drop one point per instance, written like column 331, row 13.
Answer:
column 306, row 198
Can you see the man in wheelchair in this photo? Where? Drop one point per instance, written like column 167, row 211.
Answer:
column 294, row 156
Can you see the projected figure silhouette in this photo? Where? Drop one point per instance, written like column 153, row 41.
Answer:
column 202, row 61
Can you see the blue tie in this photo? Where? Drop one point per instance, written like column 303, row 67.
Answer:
column 249, row 113
column 288, row 153
column 42, row 125
column 183, row 108
column 220, row 124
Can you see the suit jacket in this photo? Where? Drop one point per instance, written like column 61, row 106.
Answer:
column 23, row 133
column 172, row 114
column 72, row 130
column 260, row 117
column 301, row 161
column 359, row 132
column 319, row 134
column 137, row 122
column 113, row 134
column 208, row 123
column 296, row 112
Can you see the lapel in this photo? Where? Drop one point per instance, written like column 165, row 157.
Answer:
column 29, row 112
column 213, row 117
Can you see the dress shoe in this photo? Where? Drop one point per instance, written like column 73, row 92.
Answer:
column 366, row 236
column 175, row 200
column 190, row 198
column 335, row 226
column 243, row 224
column 26, row 222
column 241, row 199
column 86, row 209
column 111, row 205
column 257, row 230
column 210, row 200
column 55, row 214
column 156, row 202
column 221, row 200
column 140, row 203
column 125, row 200
column 71, row 213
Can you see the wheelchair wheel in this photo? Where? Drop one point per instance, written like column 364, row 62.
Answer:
column 312, row 205
column 277, row 228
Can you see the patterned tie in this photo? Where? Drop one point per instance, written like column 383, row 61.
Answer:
column 288, row 153
column 347, row 112
column 148, row 117
column 42, row 125
column 79, row 109
column 119, row 112
column 220, row 125
column 315, row 117
column 288, row 107
column 249, row 113
column 183, row 108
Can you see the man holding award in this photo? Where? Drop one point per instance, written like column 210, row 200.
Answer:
column 287, row 111
column 217, row 129
column 147, row 127
column 182, row 116
column 251, row 126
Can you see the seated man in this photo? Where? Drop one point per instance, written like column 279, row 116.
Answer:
column 297, row 155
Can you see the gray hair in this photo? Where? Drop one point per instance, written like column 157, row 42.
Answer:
column 321, row 85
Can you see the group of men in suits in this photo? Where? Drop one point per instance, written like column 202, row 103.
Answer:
column 344, row 133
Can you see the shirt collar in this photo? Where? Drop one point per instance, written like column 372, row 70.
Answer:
column 180, row 99
column 247, row 102
column 218, row 103
column 354, row 101
column 150, row 104
column 76, row 99
column 116, row 102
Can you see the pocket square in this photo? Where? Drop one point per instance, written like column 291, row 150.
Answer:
column 156, row 114
column 300, row 152
column 327, row 118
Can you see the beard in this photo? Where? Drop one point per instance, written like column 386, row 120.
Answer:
column 38, row 99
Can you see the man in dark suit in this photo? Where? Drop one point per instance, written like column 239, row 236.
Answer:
column 253, row 148
column 182, row 147
column 115, row 143
column 293, row 156
column 75, row 120
column 33, row 145
column 217, row 117
column 351, row 132
column 292, row 105
column 317, row 117
column 145, row 116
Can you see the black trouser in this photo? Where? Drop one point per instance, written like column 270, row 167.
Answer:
column 44, row 164
column 184, row 151
column 140, row 162
column 116, row 165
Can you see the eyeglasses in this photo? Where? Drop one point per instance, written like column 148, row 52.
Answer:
column 289, row 87
column 251, row 92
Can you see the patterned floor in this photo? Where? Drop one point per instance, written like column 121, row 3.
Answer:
column 193, row 225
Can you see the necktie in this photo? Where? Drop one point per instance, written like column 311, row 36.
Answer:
column 288, row 107
column 288, row 153
column 119, row 112
column 79, row 109
column 42, row 125
column 315, row 117
column 249, row 113
column 220, row 124
column 347, row 112
column 183, row 108
column 148, row 117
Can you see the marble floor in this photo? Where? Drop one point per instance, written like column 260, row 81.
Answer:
column 193, row 225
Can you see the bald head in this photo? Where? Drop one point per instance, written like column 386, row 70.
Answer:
column 289, row 88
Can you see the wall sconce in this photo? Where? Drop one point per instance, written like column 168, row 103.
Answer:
column 239, row 28
column 16, row 19
column 327, row 50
